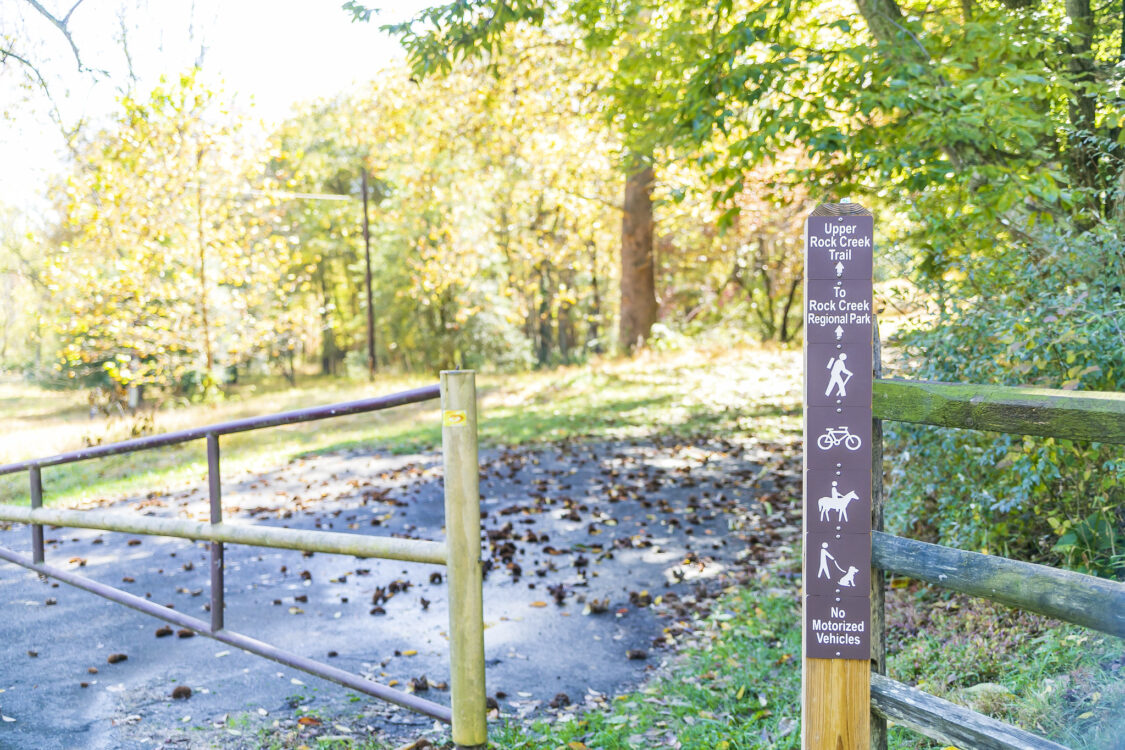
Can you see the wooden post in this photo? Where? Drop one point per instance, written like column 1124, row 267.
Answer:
column 878, row 584
column 836, row 617
column 462, row 531
column 836, row 703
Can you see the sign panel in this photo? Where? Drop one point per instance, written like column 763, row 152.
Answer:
column 840, row 247
column 838, row 374
column 838, row 564
column 839, row 501
column 838, row 311
column 832, row 372
column 838, row 627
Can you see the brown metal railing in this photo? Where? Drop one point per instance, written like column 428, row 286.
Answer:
column 460, row 553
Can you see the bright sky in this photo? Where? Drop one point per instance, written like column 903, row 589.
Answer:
column 267, row 54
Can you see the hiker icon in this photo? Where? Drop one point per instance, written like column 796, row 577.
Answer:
column 823, row 571
column 839, row 376
column 836, row 502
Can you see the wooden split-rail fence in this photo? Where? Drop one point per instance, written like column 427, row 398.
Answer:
column 1095, row 603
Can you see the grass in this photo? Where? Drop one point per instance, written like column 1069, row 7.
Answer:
column 284, row 741
column 735, row 688
column 1060, row 681
column 738, row 686
column 684, row 395
column 679, row 393
column 60, row 423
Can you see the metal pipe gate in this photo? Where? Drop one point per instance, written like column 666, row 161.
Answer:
column 460, row 553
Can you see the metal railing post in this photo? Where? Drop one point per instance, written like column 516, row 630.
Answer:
column 35, row 479
column 462, row 531
column 214, row 487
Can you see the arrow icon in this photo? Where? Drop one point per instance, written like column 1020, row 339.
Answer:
column 839, row 333
column 839, row 269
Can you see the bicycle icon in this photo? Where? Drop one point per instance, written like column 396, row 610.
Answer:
column 833, row 436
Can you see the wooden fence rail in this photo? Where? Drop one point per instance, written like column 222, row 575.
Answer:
column 947, row 722
column 1075, row 415
column 1095, row 603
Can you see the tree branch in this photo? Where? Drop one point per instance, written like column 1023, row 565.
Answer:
column 884, row 19
column 63, row 26
column 124, row 46
column 55, row 114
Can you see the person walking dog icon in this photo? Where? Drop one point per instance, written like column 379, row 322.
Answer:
column 839, row 376
column 823, row 571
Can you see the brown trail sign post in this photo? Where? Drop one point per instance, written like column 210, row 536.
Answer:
column 836, row 669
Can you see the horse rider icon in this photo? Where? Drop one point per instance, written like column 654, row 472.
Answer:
column 836, row 502
column 839, row 376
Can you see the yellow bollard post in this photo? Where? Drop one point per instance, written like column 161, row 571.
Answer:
column 462, row 532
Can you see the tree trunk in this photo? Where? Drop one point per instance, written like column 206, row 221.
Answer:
column 766, row 313
column 328, row 336
column 638, row 278
column 884, row 19
column 371, row 362
column 565, row 318
column 202, row 263
column 543, row 354
column 786, row 332
column 593, row 329
column 289, row 368
column 9, row 292
column 1082, row 151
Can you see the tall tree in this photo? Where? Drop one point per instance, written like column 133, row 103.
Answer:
column 508, row 181
column 638, row 272
column 167, row 256
column 613, row 42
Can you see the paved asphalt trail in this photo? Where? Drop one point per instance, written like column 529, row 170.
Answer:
column 570, row 528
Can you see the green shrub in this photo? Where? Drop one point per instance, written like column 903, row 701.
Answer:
column 1050, row 315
